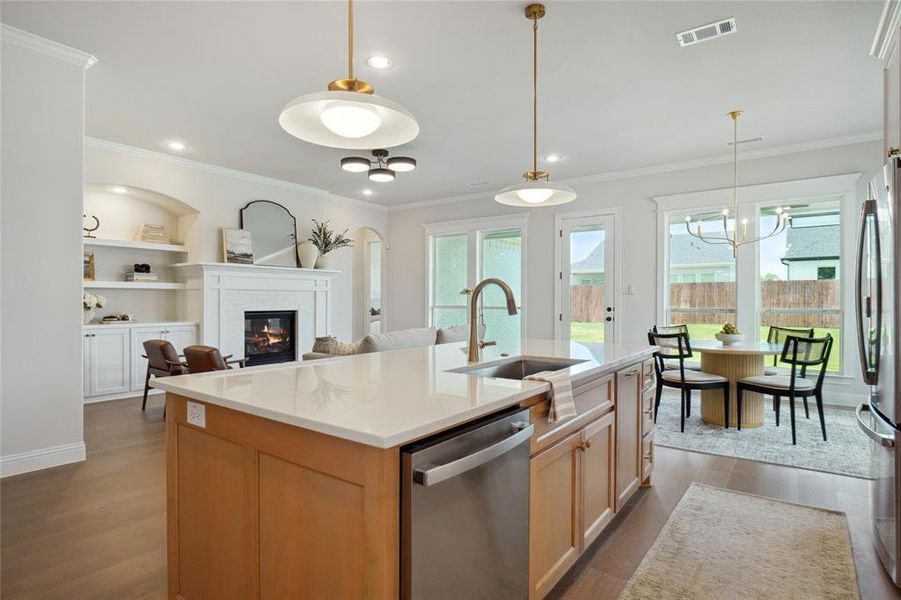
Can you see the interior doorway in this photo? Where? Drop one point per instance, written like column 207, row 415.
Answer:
column 370, row 302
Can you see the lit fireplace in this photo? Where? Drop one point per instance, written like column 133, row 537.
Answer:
column 269, row 337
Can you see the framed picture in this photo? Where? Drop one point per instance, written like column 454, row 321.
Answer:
column 88, row 266
column 237, row 246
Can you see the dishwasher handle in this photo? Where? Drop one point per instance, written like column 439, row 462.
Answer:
column 887, row 441
column 438, row 473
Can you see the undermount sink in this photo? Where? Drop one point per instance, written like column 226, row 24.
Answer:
column 518, row 368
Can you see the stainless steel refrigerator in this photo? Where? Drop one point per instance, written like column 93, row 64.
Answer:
column 878, row 304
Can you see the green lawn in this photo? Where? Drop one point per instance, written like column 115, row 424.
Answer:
column 594, row 332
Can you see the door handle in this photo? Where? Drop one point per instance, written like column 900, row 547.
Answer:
column 886, row 441
column 439, row 473
column 864, row 343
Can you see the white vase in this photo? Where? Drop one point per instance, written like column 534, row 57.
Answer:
column 88, row 316
column 323, row 262
column 307, row 252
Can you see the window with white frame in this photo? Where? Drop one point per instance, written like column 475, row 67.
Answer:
column 462, row 253
column 701, row 281
column 792, row 279
column 800, row 272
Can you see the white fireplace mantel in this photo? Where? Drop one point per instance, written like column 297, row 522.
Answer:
column 218, row 294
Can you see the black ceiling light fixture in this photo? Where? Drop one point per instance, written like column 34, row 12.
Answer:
column 381, row 168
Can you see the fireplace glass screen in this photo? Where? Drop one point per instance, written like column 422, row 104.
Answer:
column 269, row 337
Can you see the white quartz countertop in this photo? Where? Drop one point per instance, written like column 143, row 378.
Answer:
column 386, row 399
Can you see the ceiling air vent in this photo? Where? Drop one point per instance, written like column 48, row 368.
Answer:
column 706, row 32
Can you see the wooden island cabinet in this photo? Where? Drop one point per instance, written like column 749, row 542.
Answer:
column 259, row 508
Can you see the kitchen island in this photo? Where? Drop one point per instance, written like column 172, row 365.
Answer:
column 284, row 481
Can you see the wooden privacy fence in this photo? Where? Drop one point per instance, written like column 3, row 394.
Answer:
column 812, row 303
column 587, row 303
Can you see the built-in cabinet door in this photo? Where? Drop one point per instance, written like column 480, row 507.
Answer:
column 109, row 361
column 87, row 362
column 628, row 433
column 554, row 532
column 139, row 335
column 181, row 336
column 598, row 446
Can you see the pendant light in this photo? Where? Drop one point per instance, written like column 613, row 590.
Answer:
column 735, row 240
column 537, row 189
column 349, row 115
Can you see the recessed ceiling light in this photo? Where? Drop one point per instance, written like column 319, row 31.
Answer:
column 120, row 190
column 367, row 192
column 379, row 62
column 552, row 158
column 175, row 145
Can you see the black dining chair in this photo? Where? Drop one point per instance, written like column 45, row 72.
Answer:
column 675, row 347
column 683, row 329
column 777, row 335
column 798, row 352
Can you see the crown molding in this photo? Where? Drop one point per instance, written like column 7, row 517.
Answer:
column 30, row 41
column 885, row 30
column 844, row 140
column 100, row 144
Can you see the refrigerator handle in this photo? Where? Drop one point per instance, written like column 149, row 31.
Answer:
column 887, row 441
column 869, row 369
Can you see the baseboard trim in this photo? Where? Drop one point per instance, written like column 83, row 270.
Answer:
column 44, row 458
column 120, row 396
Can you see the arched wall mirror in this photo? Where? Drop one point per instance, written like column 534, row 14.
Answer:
column 274, row 233
column 370, row 282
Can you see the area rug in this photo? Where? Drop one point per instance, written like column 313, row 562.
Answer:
column 720, row 544
column 846, row 452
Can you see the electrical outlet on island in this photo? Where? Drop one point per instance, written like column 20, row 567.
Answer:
column 196, row 414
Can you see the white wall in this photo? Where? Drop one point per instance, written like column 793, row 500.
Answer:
column 636, row 313
column 40, row 255
column 218, row 195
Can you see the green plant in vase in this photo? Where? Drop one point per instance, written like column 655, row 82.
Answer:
column 326, row 240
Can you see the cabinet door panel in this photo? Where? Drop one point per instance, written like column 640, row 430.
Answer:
column 647, row 457
column 109, row 361
column 554, row 531
column 139, row 335
column 648, row 399
column 628, row 433
column 598, row 499
column 182, row 336
column 87, row 363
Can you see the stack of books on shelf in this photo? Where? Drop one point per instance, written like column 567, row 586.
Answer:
column 154, row 233
column 141, row 277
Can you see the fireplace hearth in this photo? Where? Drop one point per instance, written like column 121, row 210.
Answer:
column 269, row 337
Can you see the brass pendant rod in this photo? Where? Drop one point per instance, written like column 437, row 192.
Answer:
column 534, row 95
column 350, row 39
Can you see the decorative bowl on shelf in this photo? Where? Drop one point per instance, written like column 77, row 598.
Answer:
column 730, row 338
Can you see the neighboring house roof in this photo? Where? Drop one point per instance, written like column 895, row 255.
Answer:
column 809, row 243
column 593, row 263
column 688, row 250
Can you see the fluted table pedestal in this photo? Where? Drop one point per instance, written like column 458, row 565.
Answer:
column 733, row 362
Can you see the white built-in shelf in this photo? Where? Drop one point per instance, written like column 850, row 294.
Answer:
column 134, row 285
column 134, row 245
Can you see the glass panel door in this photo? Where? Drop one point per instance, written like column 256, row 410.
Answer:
column 501, row 255
column 586, row 279
column 449, row 278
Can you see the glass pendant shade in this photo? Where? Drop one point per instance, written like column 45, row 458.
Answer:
column 401, row 164
column 355, row 164
column 381, row 175
column 536, row 193
column 349, row 120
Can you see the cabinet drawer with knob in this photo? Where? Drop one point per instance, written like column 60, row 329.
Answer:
column 648, row 399
column 647, row 457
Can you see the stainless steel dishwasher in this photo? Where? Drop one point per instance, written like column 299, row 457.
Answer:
column 465, row 511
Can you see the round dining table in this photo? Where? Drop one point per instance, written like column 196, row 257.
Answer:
column 734, row 362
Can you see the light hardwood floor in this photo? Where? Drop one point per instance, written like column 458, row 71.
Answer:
column 97, row 529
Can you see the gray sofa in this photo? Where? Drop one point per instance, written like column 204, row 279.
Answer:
column 326, row 347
